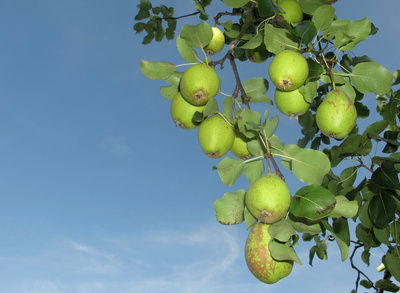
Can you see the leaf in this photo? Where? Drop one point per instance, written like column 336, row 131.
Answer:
column 344, row 248
column 281, row 231
column 210, row 108
column 371, row 77
column 323, row 17
column 277, row 39
column 312, row 202
column 197, row 36
column 348, row 176
column 253, row 170
column 249, row 219
column 341, row 229
column 157, row 69
column 253, row 43
column 359, row 30
column 168, row 92
column 229, row 210
column 269, row 126
column 308, row 165
column 386, row 176
column 230, row 170
column 186, row 52
column 305, row 30
column 303, row 225
column 382, row 210
column 344, row 208
column 235, row 3
column 247, row 120
column 392, row 261
column 255, row 89
column 268, row 8
column 283, row 251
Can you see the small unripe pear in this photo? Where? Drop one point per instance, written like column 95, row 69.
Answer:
column 182, row 112
column 258, row 55
column 258, row 256
column 217, row 42
column 336, row 116
column 288, row 70
column 215, row 136
column 199, row 83
column 268, row 198
column 239, row 146
column 293, row 12
column 291, row 103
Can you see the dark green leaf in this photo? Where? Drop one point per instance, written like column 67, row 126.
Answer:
column 382, row 210
column 312, row 202
column 305, row 30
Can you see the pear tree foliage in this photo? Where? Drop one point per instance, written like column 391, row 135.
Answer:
column 350, row 182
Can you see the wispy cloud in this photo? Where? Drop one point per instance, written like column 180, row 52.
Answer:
column 117, row 145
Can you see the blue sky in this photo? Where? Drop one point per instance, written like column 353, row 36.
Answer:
column 99, row 191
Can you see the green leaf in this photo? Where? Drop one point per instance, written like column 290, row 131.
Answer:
column 304, row 226
column 392, row 262
column 197, row 36
column 255, row 89
column 366, row 284
column 157, row 70
column 312, row 202
column 210, row 108
column 348, row 176
column 371, row 77
column 229, row 210
column 382, row 210
column 341, row 229
column 267, row 8
column 387, row 285
column 309, row 91
column 386, row 176
column 144, row 4
column 269, row 126
column 247, row 120
column 282, row 231
column 253, row 43
column 308, row 165
column 186, row 52
column 253, row 170
column 249, row 219
column 310, row 6
column 359, row 30
column 283, row 251
column 344, row 248
column 230, row 170
column 344, row 208
column 278, row 39
column 235, row 3
column 168, row 92
column 305, row 30
column 323, row 17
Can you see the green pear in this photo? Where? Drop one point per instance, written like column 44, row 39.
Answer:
column 268, row 198
column 291, row 103
column 199, row 83
column 258, row 256
column 288, row 70
column 293, row 12
column 217, row 42
column 258, row 55
column 336, row 116
column 215, row 136
column 239, row 146
column 182, row 112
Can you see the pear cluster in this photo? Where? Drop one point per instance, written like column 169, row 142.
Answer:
column 288, row 71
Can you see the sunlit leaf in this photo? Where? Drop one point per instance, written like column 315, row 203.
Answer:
column 186, row 52
column 230, row 170
column 197, row 36
column 371, row 77
column 229, row 210
column 323, row 17
column 312, row 202
column 235, row 3
column 157, row 69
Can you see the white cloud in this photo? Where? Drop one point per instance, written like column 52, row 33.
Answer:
column 116, row 145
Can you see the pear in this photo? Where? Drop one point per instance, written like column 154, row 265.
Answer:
column 182, row 112
column 258, row 256
column 288, row 70
column 217, row 42
column 215, row 136
column 336, row 116
column 199, row 83
column 293, row 12
column 291, row 103
column 259, row 54
column 268, row 198
column 239, row 146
